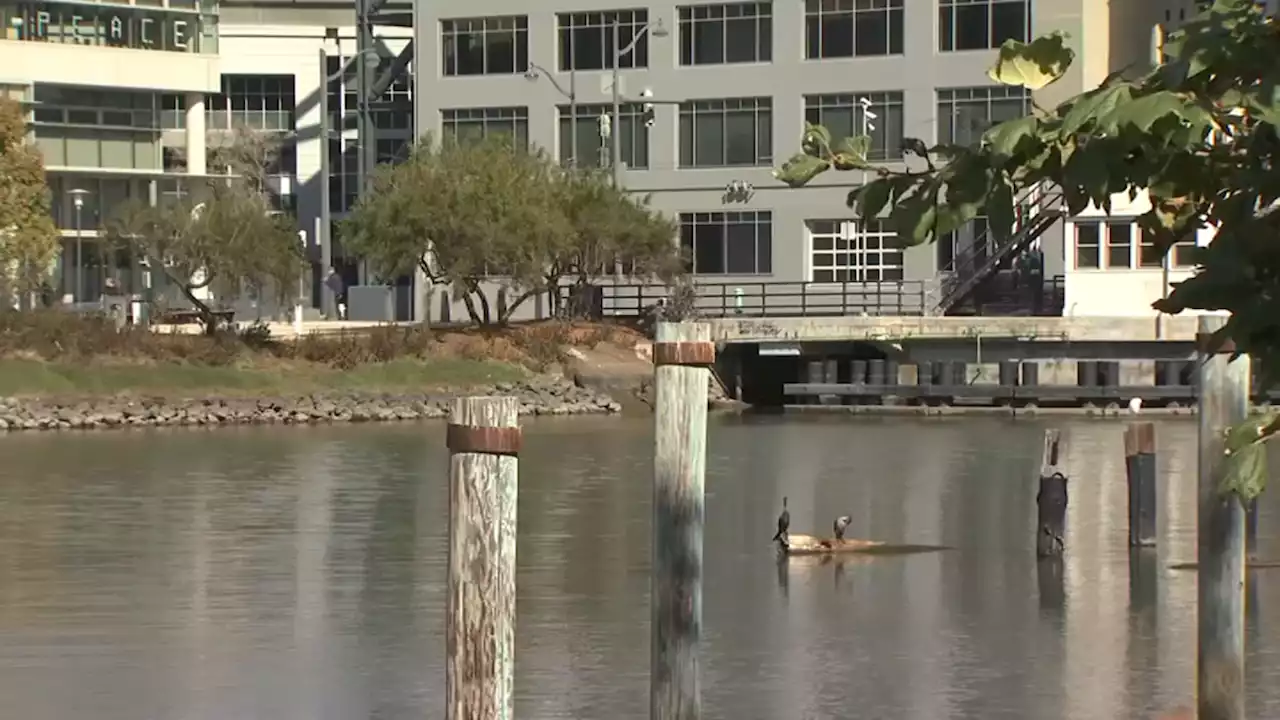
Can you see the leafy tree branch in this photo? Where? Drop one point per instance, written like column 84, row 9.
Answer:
column 1198, row 133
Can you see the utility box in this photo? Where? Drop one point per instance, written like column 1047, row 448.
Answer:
column 371, row 303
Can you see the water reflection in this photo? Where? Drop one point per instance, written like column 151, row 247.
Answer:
column 298, row 573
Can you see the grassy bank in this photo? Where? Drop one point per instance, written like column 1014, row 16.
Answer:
column 41, row 378
column 57, row 354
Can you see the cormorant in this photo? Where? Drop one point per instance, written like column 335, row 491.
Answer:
column 841, row 523
column 784, row 521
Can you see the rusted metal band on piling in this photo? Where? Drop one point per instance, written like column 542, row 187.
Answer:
column 695, row 354
column 484, row 440
column 1204, row 344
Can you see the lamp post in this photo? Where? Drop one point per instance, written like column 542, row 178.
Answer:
column 324, row 236
column 536, row 71
column 77, row 199
column 615, row 138
column 302, row 284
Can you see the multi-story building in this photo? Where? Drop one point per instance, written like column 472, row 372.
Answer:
column 734, row 84
column 93, row 75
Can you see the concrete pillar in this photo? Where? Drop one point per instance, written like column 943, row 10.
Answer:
column 197, row 163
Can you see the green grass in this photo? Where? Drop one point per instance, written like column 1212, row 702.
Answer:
column 95, row 378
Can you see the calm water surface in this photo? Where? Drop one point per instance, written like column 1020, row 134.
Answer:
column 294, row 573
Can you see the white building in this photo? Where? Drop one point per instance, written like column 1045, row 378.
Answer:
column 1111, row 270
column 93, row 75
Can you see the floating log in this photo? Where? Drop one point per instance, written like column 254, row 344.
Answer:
column 801, row 545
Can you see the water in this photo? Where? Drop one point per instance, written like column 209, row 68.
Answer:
column 298, row 573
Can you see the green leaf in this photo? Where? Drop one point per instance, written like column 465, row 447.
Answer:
column 1003, row 140
column 914, row 217
column 1244, row 473
column 800, row 169
column 816, row 140
column 1143, row 112
column 856, row 145
column 871, row 198
column 1033, row 65
column 1094, row 105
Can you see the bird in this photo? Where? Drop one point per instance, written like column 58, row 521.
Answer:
column 1135, row 406
column 841, row 523
column 784, row 522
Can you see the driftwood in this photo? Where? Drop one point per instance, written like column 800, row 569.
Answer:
column 796, row 544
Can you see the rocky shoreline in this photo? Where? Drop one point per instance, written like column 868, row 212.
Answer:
column 539, row 396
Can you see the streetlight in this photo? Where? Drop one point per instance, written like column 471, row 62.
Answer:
column 77, row 199
column 324, row 234
column 536, row 71
column 615, row 138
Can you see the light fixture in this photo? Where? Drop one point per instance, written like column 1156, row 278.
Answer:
column 657, row 29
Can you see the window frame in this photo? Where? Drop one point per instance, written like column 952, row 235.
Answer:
column 761, row 222
column 950, row 100
column 633, row 25
column 1110, row 244
column 949, row 26
column 453, row 29
column 816, row 31
column 887, row 105
column 486, row 116
column 759, row 14
column 634, row 143
column 852, row 240
column 761, row 113
column 1096, row 245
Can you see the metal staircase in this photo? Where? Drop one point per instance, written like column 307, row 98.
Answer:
column 1037, row 209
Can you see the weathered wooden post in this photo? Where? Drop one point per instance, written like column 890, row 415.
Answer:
column 1051, row 500
column 681, row 355
column 484, row 440
column 1224, row 401
column 1140, row 471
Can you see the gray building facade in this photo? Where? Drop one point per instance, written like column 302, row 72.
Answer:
column 733, row 85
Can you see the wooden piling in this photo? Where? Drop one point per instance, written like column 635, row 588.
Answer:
column 1051, row 500
column 484, row 440
column 1140, row 471
column 1224, row 401
column 681, row 355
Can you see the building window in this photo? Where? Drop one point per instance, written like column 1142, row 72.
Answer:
column 723, row 34
column 475, row 123
column 1088, row 246
column 982, row 24
column 726, row 133
column 852, row 28
column 257, row 102
column 964, row 114
column 173, row 112
column 844, row 115
column 1183, row 254
column 1119, row 245
column 734, row 243
column 1149, row 255
column 586, row 39
column 485, row 46
column 850, row 251
column 594, row 149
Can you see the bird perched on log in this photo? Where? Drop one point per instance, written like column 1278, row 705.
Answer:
column 784, row 522
column 841, row 523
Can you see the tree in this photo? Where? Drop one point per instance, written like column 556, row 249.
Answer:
column 29, row 241
column 1198, row 133
column 221, row 235
column 467, row 212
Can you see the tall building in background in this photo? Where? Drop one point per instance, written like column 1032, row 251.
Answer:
column 94, row 76
column 734, row 84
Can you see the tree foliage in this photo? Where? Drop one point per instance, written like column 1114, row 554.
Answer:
column 28, row 236
column 1198, row 133
column 485, row 210
column 221, row 235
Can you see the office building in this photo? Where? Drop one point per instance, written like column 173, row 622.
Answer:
column 93, row 76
